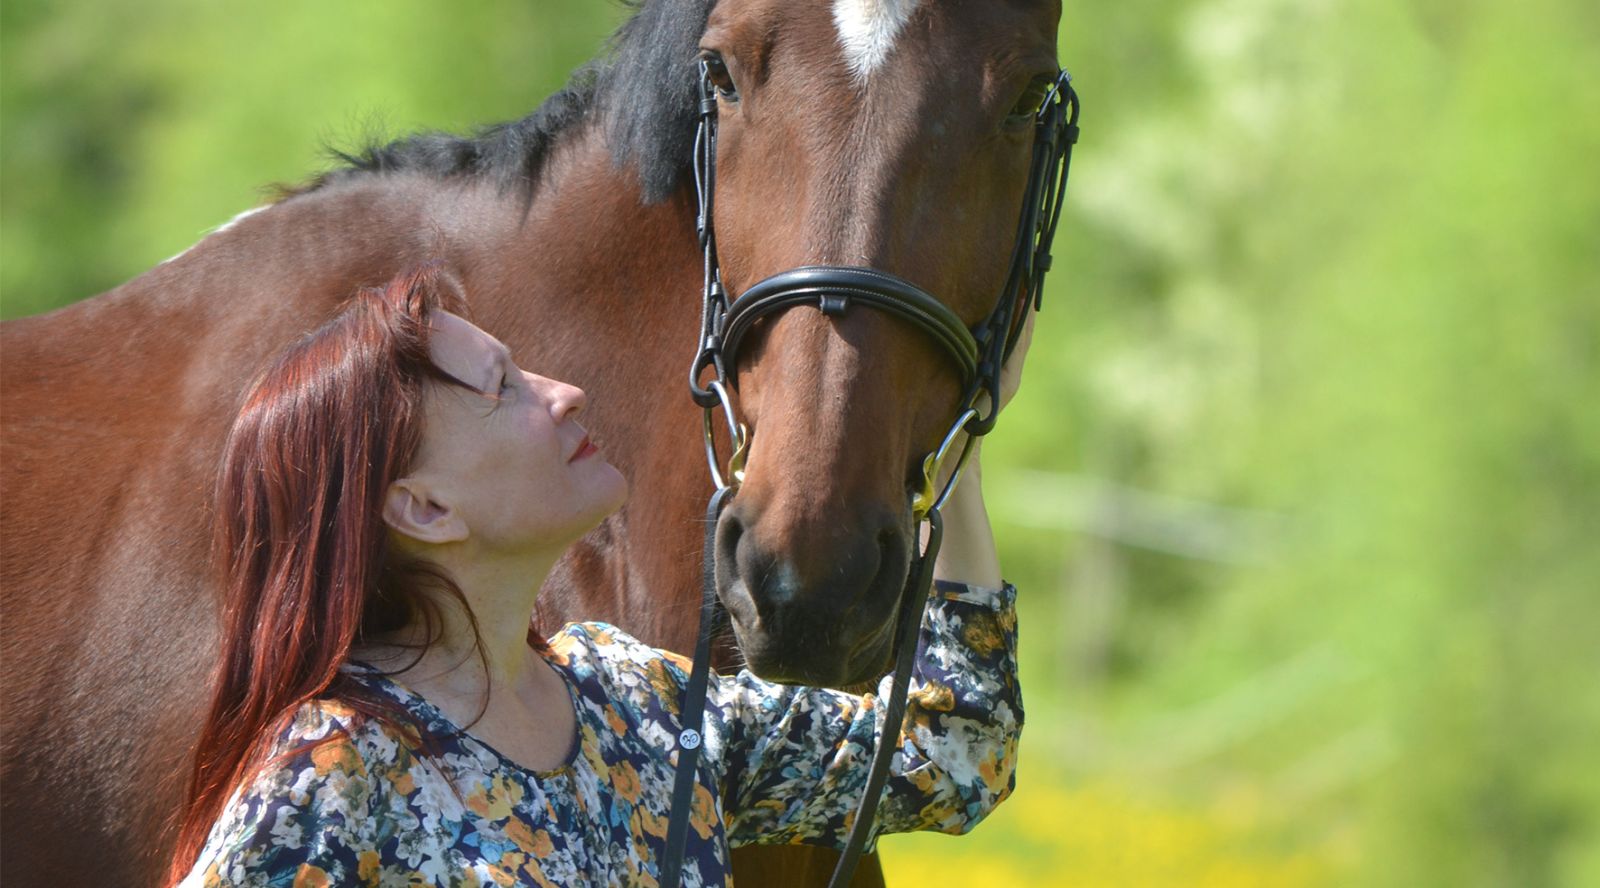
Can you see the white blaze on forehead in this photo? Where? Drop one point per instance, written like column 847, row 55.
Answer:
column 868, row 29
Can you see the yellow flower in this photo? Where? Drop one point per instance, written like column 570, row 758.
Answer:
column 589, row 747
column 310, row 876
column 494, row 802
column 625, row 779
column 934, row 697
column 520, row 835
column 983, row 634
column 336, row 755
column 536, row 844
column 502, row 875
column 368, row 866
column 678, row 659
column 536, row 872
column 404, row 783
column 650, row 823
column 661, row 683
column 703, row 811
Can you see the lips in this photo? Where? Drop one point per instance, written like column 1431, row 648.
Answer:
column 585, row 450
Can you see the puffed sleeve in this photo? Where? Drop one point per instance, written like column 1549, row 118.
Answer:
column 797, row 758
column 313, row 817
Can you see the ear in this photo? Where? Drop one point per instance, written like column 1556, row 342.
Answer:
column 409, row 508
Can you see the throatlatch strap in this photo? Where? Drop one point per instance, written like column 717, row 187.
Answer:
column 692, row 709
column 911, row 612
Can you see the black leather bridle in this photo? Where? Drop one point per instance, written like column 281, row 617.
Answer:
column 979, row 352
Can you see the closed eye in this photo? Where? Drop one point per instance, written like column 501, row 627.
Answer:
column 507, row 370
column 502, row 385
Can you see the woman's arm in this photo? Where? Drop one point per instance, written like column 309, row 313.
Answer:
column 797, row 758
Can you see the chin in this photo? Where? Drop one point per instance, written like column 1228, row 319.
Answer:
column 609, row 496
column 620, row 491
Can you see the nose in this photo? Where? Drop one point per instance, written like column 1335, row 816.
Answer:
column 810, row 602
column 566, row 400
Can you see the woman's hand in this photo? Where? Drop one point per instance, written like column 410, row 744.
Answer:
column 1011, row 373
column 1010, row 381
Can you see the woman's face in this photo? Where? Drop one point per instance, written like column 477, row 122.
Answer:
column 511, row 460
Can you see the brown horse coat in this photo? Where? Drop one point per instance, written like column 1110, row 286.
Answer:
column 574, row 238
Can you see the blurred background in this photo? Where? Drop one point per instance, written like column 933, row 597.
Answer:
column 1303, row 488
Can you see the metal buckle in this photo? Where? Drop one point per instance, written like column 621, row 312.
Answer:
column 737, row 433
column 1062, row 83
column 925, row 501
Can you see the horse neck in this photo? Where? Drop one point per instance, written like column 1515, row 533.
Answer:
column 580, row 266
column 581, row 280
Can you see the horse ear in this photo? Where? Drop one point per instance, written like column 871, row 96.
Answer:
column 410, row 509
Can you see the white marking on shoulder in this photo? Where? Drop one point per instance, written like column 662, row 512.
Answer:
column 868, row 30
column 223, row 227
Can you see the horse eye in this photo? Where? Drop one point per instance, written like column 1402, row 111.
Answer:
column 1032, row 99
column 717, row 70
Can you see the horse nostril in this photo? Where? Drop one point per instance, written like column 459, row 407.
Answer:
column 892, row 560
column 889, row 542
column 730, row 530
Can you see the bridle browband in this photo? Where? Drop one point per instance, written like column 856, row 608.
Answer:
column 979, row 353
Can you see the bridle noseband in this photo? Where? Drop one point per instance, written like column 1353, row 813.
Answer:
column 979, row 353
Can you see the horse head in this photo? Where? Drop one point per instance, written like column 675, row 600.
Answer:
column 862, row 137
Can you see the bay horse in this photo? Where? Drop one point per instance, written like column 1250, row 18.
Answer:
column 890, row 134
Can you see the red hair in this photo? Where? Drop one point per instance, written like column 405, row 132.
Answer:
column 303, row 553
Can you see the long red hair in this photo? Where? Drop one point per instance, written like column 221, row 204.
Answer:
column 302, row 550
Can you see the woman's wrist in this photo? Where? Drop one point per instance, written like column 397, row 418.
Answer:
column 967, row 552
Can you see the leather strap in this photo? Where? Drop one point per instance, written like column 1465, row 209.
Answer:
column 692, row 708
column 893, row 716
column 818, row 284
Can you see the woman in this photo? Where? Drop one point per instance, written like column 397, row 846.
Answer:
column 393, row 494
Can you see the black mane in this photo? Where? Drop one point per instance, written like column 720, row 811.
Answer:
column 642, row 89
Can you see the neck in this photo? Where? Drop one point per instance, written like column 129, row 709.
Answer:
column 462, row 664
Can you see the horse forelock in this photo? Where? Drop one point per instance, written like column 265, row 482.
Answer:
column 641, row 90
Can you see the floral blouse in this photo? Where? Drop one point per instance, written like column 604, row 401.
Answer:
column 369, row 806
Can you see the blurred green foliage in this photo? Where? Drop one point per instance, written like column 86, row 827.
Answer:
column 1303, row 489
